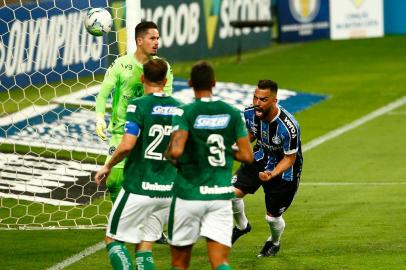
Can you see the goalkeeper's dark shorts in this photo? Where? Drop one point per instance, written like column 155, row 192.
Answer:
column 279, row 193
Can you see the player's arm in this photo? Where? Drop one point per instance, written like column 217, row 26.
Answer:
column 176, row 145
column 107, row 86
column 283, row 165
column 243, row 152
column 251, row 137
column 290, row 148
column 127, row 143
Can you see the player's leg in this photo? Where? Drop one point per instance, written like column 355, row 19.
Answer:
column 218, row 254
column 151, row 232
column 245, row 181
column 116, row 176
column 181, row 257
column 114, row 182
column 216, row 226
column 278, row 197
column 118, row 254
column 125, row 225
column 241, row 220
column 184, row 229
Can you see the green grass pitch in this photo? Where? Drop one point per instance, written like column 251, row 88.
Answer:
column 349, row 212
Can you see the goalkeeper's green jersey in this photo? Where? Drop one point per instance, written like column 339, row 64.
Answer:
column 204, row 171
column 124, row 76
column 146, row 171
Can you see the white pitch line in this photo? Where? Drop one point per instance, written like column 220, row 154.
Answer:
column 310, row 145
column 352, row 183
column 77, row 257
column 339, row 131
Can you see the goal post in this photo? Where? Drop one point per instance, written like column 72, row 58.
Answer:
column 50, row 74
column 133, row 17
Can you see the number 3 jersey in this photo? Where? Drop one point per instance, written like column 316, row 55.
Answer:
column 146, row 171
column 204, row 170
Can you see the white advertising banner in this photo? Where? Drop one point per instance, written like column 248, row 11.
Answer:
column 356, row 19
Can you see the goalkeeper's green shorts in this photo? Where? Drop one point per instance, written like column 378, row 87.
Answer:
column 114, row 182
column 116, row 177
column 113, row 143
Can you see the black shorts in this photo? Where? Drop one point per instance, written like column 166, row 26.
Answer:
column 279, row 193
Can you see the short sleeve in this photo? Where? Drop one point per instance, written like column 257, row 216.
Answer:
column 134, row 113
column 290, row 143
column 241, row 130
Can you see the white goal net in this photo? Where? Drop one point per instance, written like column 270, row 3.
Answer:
column 50, row 69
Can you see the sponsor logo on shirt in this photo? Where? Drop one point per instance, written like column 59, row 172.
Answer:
column 156, row 187
column 131, row 108
column 265, row 146
column 164, row 110
column 212, row 121
column 179, row 112
column 290, row 126
column 216, row 190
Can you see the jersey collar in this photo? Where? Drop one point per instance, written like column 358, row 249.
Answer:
column 209, row 99
column 160, row 94
column 277, row 115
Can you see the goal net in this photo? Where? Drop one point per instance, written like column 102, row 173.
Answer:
column 50, row 71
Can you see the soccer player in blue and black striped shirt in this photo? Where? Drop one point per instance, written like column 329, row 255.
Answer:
column 277, row 164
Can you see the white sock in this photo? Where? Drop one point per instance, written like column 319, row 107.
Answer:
column 277, row 226
column 240, row 218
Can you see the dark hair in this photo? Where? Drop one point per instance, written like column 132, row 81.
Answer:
column 143, row 27
column 202, row 76
column 268, row 84
column 155, row 70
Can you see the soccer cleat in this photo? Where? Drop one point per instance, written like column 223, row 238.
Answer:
column 269, row 250
column 237, row 233
column 163, row 240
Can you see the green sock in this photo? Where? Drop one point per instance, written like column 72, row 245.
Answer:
column 119, row 256
column 223, row 266
column 144, row 260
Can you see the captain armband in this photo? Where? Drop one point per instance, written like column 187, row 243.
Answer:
column 132, row 128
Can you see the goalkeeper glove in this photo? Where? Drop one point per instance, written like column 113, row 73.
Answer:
column 101, row 126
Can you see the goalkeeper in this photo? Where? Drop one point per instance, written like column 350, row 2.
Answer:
column 124, row 76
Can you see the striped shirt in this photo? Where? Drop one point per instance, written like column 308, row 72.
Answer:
column 275, row 139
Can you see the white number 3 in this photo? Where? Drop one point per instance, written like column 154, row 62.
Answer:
column 217, row 148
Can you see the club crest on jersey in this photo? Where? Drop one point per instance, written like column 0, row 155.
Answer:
column 276, row 140
column 164, row 110
column 131, row 108
column 111, row 150
column 212, row 121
